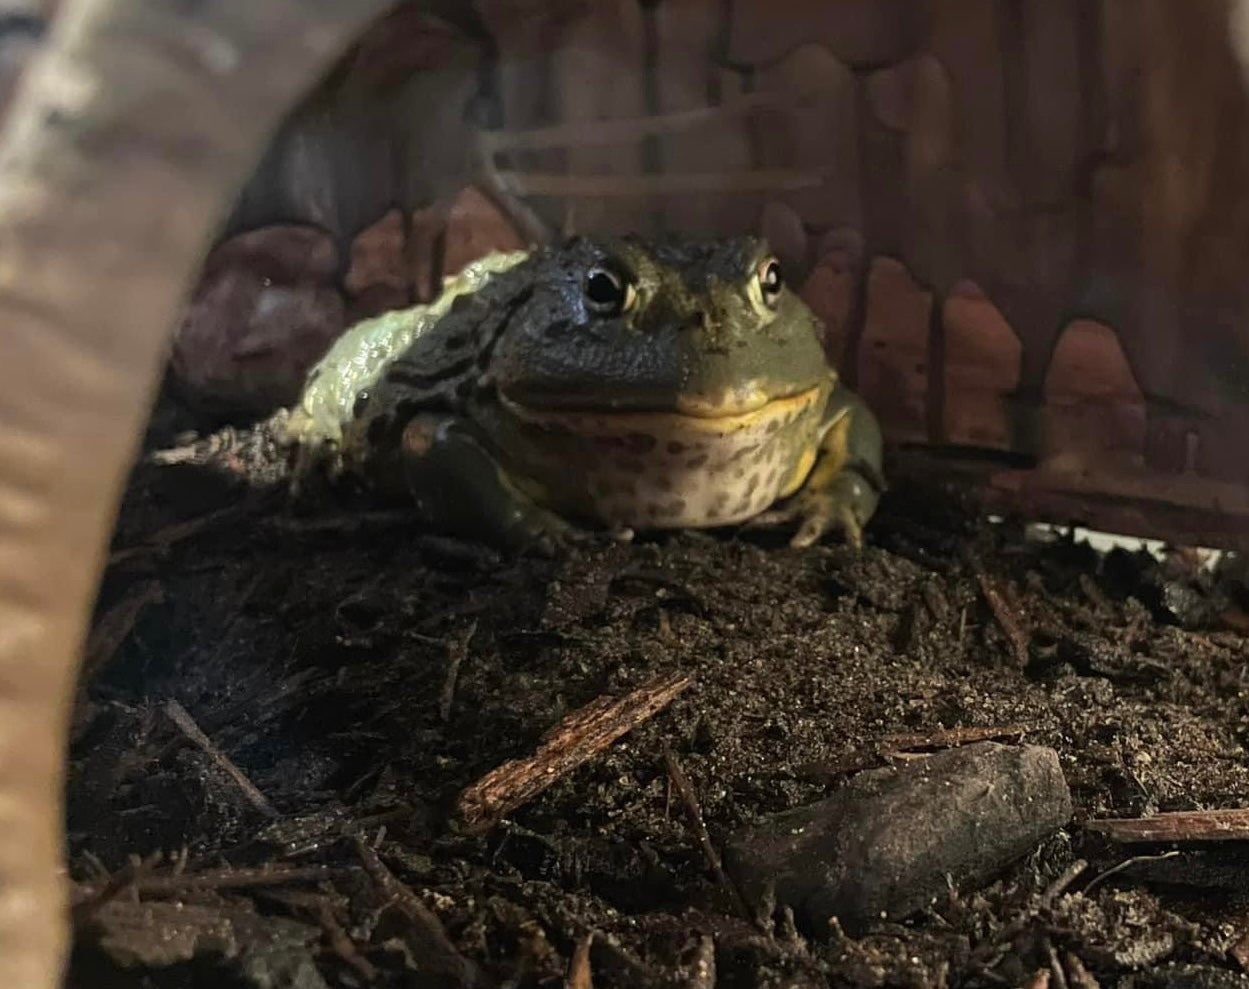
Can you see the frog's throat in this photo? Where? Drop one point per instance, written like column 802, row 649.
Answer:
column 690, row 419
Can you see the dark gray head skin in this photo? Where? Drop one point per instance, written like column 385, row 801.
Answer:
column 702, row 328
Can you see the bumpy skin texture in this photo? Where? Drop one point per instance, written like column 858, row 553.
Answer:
column 121, row 154
column 622, row 385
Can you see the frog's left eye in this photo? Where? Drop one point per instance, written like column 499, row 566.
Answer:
column 771, row 281
column 608, row 292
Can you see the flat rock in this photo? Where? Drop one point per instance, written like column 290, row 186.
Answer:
column 893, row 839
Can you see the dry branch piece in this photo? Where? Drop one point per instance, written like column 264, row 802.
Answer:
column 577, row 739
column 694, row 814
column 457, row 652
column 1184, row 825
column 180, row 716
column 162, row 539
column 116, row 625
column 219, row 879
column 425, row 935
column 949, row 738
column 1008, row 621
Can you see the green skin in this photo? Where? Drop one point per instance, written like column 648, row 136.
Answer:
column 619, row 385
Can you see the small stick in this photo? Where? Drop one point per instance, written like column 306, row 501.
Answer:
column 162, row 539
column 579, row 975
column 1058, row 978
column 574, row 741
column 91, row 900
column 704, row 974
column 1127, row 864
column 1059, row 886
column 1183, row 825
column 437, row 952
column 182, row 718
column 948, row 738
column 457, row 652
column 179, row 881
column 115, row 626
column 694, row 813
column 1009, row 623
column 1077, row 975
column 342, row 945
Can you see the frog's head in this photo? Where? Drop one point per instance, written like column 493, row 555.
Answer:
column 701, row 329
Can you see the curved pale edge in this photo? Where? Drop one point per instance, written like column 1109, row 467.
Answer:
column 125, row 145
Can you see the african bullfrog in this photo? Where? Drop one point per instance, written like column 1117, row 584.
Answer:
column 615, row 385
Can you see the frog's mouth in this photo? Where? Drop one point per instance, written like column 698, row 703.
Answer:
column 736, row 410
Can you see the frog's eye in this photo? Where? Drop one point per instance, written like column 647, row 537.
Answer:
column 771, row 282
column 608, row 293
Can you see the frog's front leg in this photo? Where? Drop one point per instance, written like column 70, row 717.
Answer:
column 845, row 484
column 460, row 488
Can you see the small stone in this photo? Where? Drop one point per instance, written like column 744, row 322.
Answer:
column 892, row 840
column 263, row 313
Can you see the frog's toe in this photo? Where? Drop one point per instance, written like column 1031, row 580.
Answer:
column 824, row 515
column 843, row 506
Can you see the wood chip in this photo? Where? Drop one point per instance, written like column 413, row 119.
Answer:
column 1006, row 618
column 182, row 718
column 577, row 739
column 1184, row 825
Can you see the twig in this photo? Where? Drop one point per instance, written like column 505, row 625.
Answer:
column 1009, row 623
column 1077, row 975
column 579, row 975
column 1127, row 864
column 115, row 626
column 1183, row 825
column 704, row 974
column 1058, row 978
column 947, row 738
column 431, row 946
column 162, row 539
column 342, row 945
column 94, row 899
column 574, row 741
column 180, row 716
column 1059, row 886
column 457, row 652
column 177, row 881
column 694, row 814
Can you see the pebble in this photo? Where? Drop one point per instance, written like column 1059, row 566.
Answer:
column 893, row 840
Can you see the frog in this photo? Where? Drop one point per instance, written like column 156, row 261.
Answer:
column 601, row 387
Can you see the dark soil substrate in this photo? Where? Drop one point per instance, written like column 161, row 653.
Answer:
column 313, row 649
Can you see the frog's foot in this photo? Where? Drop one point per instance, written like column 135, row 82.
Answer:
column 843, row 505
column 460, row 488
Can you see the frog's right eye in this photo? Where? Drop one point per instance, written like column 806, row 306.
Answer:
column 608, row 293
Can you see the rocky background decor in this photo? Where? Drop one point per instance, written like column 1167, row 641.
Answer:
column 1023, row 221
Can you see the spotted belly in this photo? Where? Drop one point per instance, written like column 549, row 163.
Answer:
column 667, row 470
